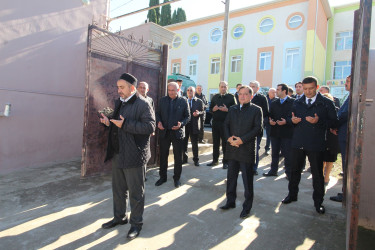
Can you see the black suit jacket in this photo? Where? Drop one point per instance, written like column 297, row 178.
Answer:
column 113, row 142
column 245, row 123
column 195, row 121
column 262, row 102
column 181, row 114
column 279, row 111
column 312, row 137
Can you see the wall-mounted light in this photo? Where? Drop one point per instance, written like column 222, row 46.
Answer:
column 6, row 110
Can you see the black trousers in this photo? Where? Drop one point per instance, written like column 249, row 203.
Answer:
column 165, row 144
column 217, row 135
column 234, row 167
column 283, row 144
column 267, row 126
column 316, row 164
column 259, row 140
column 201, row 131
column 128, row 184
column 194, row 143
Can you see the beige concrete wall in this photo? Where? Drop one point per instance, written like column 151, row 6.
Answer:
column 43, row 68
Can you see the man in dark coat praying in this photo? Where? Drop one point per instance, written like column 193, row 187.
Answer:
column 241, row 127
column 131, row 125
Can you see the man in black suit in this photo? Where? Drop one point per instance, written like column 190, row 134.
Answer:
column 281, row 132
column 171, row 117
column 299, row 90
column 130, row 127
column 311, row 116
column 219, row 107
column 242, row 125
column 262, row 102
column 192, row 128
column 238, row 86
column 201, row 96
column 325, row 89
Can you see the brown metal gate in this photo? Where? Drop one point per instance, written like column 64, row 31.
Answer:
column 108, row 56
column 356, row 129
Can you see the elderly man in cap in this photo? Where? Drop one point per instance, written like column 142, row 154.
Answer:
column 130, row 127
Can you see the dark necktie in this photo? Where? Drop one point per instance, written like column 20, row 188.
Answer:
column 309, row 102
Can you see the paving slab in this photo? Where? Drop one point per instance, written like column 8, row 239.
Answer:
column 51, row 207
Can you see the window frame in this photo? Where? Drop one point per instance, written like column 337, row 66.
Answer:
column 299, row 24
column 237, row 62
column 265, row 62
column 216, row 65
column 193, row 66
column 292, row 57
column 177, row 66
column 343, row 75
column 211, row 33
column 260, row 26
column 344, row 46
column 174, row 42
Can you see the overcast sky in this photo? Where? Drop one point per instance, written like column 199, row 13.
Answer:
column 193, row 8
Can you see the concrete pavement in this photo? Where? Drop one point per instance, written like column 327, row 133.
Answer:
column 50, row 207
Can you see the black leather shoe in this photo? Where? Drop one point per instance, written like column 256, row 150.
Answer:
column 212, row 164
column 244, row 214
column 225, row 165
column 337, row 198
column 255, row 172
column 202, row 141
column 320, row 209
column 114, row 223
column 196, row 163
column 289, row 199
column 177, row 183
column 133, row 232
column 228, row 206
column 269, row 174
column 160, row 182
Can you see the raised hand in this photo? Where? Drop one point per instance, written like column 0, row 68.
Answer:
column 118, row 123
column 281, row 122
column 177, row 127
column 215, row 108
column 224, row 108
column 295, row 119
column 272, row 122
column 312, row 120
column 160, row 126
column 104, row 120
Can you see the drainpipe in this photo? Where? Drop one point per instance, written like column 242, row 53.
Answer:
column 316, row 23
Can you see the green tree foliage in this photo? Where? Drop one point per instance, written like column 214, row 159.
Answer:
column 174, row 17
column 178, row 16
column 181, row 16
column 165, row 17
column 154, row 14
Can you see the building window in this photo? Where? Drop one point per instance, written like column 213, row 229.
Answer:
column 344, row 40
column 193, row 40
column 292, row 58
column 266, row 25
column 176, row 42
column 215, row 65
column 341, row 69
column 176, row 68
column 238, row 31
column 193, row 67
column 215, row 35
column 236, row 64
column 265, row 60
column 295, row 21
